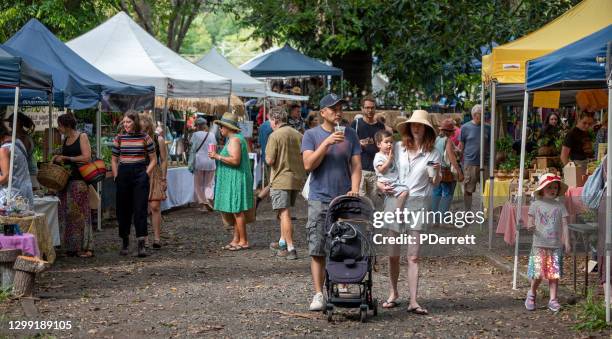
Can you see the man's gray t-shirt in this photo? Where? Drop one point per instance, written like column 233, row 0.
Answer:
column 548, row 215
column 333, row 176
column 470, row 137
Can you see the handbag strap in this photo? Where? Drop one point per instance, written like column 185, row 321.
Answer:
column 202, row 144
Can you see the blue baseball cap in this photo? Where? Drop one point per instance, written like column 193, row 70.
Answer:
column 330, row 100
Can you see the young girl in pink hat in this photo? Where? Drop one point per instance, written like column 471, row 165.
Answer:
column 551, row 235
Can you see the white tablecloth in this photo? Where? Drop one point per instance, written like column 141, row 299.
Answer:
column 180, row 185
column 48, row 206
column 180, row 188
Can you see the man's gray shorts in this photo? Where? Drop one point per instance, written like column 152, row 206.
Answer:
column 315, row 228
column 283, row 198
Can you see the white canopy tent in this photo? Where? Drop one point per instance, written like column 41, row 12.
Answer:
column 122, row 49
column 242, row 84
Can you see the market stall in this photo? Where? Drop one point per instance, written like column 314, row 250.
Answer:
column 578, row 66
column 17, row 73
column 506, row 63
column 83, row 85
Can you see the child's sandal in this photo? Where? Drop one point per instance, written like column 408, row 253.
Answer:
column 530, row 301
column 554, row 305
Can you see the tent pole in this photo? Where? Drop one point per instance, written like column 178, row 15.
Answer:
column 482, row 139
column 491, row 162
column 263, row 161
column 13, row 142
column 608, row 199
column 99, row 156
column 165, row 114
column 51, row 134
column 229, row 99
column 519, row 203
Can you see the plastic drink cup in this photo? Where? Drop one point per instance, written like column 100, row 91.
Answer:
column 431, row 171
column 339, row 128
column 212, row 148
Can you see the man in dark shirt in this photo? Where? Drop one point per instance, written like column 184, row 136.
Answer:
column 366, row 128
column 578, row 145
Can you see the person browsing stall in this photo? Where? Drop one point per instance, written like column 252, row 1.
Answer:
column 286, row 178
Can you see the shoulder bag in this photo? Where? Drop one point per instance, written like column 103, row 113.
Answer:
column 192, row 155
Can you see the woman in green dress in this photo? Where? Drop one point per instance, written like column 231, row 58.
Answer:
column 234, row 181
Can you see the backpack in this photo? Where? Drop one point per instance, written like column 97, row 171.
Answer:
column 594, row 187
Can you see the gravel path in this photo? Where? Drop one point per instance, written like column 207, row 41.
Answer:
column 190, row 288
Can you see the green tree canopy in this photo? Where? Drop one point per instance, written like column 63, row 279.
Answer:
column 415, row 42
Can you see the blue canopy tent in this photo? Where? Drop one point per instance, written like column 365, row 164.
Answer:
column 34, row 39
column 584, row 64
column 574, row 66
column 14, row 72
column 286, row 62
column 67, row 90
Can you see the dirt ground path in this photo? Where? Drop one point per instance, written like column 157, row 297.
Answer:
column 191, row 288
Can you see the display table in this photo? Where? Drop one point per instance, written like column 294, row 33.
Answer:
column 501, row 193
column 180, row 185
column 573, row 203
column 25, row 242
column 180, row 188
column 36, row 225
column 507, row 221
column 48, row 206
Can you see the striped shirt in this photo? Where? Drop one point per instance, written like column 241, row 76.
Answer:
column 133, row 148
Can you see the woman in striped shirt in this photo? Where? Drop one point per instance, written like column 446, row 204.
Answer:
column 133, row 163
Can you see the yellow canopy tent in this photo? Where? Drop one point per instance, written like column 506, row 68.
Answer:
column 507, row 63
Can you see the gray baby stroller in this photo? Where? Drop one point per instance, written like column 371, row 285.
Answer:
column 350, row 255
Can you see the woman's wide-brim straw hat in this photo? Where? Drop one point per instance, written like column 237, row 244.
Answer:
column 228, row 120
column 419, row 116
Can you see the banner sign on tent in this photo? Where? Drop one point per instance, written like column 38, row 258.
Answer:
column 546, row 99
column 40, row 116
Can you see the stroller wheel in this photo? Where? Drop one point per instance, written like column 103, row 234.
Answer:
column 330, row 312
column 375, row 307
column 363, row 313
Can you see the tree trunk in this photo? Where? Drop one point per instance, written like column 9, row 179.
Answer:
column 23, row 284
column 26, row 269
column 357, row 67
column 7, row 273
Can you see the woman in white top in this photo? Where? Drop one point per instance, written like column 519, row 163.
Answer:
column 204, row 167
column 413, row 155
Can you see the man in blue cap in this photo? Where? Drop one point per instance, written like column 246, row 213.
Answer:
column 332, row 155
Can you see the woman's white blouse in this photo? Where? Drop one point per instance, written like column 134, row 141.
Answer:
column 413, row 172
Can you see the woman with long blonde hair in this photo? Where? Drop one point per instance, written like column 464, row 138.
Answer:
column 157, row 184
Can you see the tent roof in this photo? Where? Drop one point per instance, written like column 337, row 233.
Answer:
column 14, row 71
column 122, row 49
column 68, row 91
column 574, row 66
column 286, row 62
column 242, row 84
column 507, row 62
column 35, row 39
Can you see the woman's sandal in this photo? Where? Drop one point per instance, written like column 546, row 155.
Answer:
column 391, row 304
column 228, row 247
column 418, row 310
column 86, row 254
column 239, row 248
